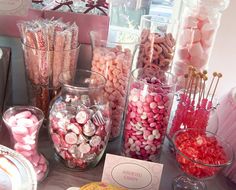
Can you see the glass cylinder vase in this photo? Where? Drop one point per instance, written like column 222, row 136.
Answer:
column 113, row 57
column 23, row 123
column 157, row 46
column 200, row 21
column 149, row 102
column 79, row 121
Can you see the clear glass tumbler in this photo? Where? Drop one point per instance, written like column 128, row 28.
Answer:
column 23, row 123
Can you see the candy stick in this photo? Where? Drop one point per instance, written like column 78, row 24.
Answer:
column 58, row 57
column 74, row 45
column 67, row 53
column 42, row 63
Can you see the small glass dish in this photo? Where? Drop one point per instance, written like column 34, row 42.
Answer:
column 16, row 172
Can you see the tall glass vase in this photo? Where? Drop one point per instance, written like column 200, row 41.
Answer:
column 113, row 58
column 148, row 108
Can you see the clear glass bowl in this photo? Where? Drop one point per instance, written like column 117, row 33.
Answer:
column 16, row 171
column 200, row 155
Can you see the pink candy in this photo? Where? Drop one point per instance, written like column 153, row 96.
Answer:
column 80, row 133
column 115, row 64
column 24, row 128
column 195, row 42
column 145, row 130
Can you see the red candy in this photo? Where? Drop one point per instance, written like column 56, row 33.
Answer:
column 199, row 150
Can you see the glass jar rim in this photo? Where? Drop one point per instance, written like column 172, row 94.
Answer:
column 98, row 86
column 132, row 42
column 29, row 170
column 158, row 19
column 173, row 78
column 36, row 49
column 223, row 141
column 24, row 108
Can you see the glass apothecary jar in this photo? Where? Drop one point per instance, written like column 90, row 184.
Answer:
column 16, row 171
column 200, row 21
column 79, row 121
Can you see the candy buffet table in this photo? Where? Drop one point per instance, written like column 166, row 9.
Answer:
column 59, row 177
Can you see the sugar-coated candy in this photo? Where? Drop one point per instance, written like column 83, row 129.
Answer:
column 146, row 119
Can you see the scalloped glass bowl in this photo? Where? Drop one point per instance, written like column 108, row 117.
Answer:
column 16, row 171
column 200, row 155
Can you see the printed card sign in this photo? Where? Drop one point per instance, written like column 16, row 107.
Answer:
column 131, row 173
column 14, row 7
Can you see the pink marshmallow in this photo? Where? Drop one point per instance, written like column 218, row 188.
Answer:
column 196, row 35
column 24, row 122
column 34, row 118
column 183, row 53
column 24, row 114
column 199, row 62
column 196, row 50
column 19, row 130
column 180, row 68
column 190, row 22
column 185, row 37
column 12, row 121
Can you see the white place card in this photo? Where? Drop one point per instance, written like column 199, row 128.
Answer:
column 131, row 173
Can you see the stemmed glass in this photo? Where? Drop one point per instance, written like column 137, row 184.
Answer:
column 200, row 155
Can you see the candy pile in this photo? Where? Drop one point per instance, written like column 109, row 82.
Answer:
column 149, row 103
column 193, row 111
column 203, row 155
column 195, row 41
column 79, row 130
column 50, row 47
column 156, row 48
column 115, row 65
column 24, row 128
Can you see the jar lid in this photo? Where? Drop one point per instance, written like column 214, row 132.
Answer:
column 16, row 172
